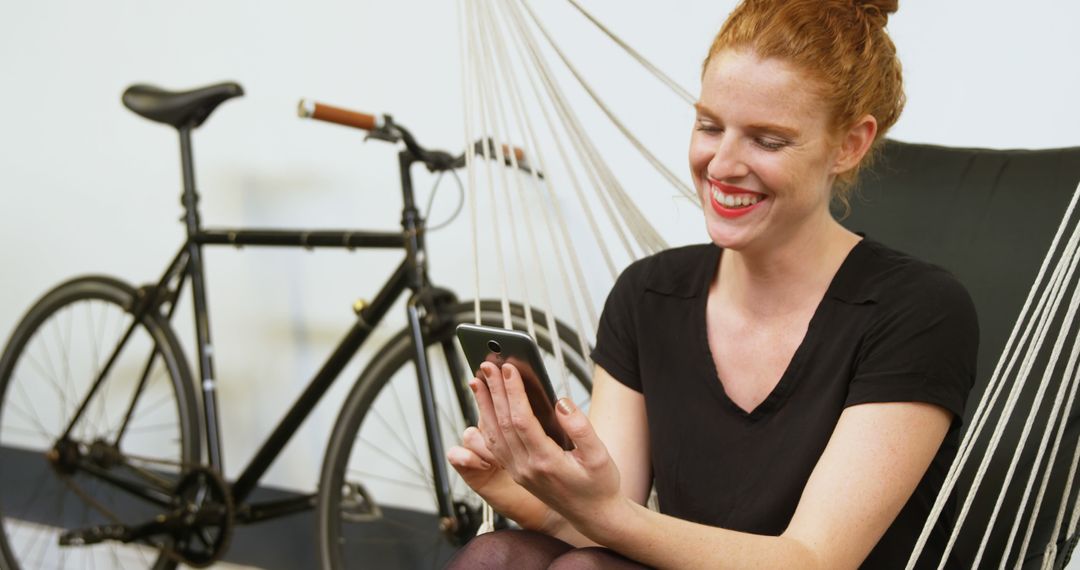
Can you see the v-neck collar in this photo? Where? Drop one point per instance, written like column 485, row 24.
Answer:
column 843, row 287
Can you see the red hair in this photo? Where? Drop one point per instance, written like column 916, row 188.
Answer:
column 842, row 44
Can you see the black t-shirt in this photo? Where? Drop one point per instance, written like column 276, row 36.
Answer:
column 889, row 328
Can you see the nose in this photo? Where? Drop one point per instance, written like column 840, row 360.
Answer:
column 728, row 161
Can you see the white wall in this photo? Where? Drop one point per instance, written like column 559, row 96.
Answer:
column 89, row 187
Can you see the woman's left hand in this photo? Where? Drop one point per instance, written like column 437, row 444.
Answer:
column 582, row 485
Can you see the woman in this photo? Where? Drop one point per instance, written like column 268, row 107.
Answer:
column 792, row 389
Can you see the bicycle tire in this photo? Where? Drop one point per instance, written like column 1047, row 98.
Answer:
column 402, row 529
column 47, row 367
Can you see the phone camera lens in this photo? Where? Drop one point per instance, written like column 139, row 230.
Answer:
column 494, row 346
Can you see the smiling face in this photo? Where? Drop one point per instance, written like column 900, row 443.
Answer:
column 762, row 154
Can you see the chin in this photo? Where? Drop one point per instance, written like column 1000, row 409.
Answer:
column 734, row 239
column 735, row 235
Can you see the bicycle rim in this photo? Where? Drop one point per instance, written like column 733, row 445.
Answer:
column 377, row 504
column 46, row 372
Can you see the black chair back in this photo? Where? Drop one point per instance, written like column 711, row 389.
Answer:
column 989, row 217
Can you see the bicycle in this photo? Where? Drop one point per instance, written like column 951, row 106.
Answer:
column 128, row 449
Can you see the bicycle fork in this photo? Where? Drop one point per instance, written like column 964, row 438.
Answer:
column 448, row 522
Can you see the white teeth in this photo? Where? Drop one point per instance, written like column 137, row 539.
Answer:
column 733, row 200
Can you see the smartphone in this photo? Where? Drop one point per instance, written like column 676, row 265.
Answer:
column 500, row 346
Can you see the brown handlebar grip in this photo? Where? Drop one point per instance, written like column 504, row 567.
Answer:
column 519, row 153
column 331, row 114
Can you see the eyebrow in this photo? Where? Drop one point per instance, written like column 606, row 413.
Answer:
column 759, row 127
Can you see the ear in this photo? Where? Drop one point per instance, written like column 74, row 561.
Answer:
column 855, row 143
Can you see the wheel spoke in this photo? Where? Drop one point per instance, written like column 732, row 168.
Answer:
column 368, row 476
column 52, row 362
column 33, row 417
column 403, row 421
column 378, row 449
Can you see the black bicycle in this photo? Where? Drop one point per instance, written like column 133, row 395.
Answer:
column 112, row 453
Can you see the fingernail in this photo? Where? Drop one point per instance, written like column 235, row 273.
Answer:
column 565, row 406
column 474, row 385
column 506, row 372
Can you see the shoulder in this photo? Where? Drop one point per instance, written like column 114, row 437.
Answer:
column 679, row 271
column 891, row 278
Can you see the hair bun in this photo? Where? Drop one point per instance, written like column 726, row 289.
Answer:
column 877, row 10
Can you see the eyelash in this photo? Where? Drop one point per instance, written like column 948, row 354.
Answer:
column 770, row 145
column 766, row 144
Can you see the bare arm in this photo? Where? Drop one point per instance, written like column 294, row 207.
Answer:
column 876, row 457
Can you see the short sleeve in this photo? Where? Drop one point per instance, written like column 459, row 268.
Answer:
column 616, row 338
column 922, row 345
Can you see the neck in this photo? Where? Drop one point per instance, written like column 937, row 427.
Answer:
column 780, row 278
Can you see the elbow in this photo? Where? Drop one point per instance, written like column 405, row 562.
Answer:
column 795, row 553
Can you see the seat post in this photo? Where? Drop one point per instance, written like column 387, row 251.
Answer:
column 208, row 383
column 190, row 198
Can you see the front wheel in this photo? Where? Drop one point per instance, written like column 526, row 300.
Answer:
column 70, row 443
column 377, row 502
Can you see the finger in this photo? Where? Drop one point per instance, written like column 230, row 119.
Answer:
column 462, row 458
column 489, row 424
column 588, row 449
column 484, row 406
column 493, row 379
column 525, row 421
column 473, row 439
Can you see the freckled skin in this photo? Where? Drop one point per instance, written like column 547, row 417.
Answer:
column 761, row 127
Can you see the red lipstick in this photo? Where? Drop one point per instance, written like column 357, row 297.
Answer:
column 736, row 211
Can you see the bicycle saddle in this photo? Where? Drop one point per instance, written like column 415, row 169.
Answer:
column 179, row 108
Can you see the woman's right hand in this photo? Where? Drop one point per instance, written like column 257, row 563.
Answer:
column 482, row 472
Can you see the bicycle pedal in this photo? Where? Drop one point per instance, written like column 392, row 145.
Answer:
column 94, row 535
column 357, row 504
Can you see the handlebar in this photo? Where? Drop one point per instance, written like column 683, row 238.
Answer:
column 309, row 109
column 384, row 128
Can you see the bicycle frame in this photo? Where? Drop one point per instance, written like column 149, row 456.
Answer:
column 422, row 309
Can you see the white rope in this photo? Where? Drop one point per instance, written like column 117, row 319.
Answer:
column 1048, row 557
column 1071, row 376
column 575, row 134
column 1069, row 483
column 1010, row 403
column 553, row 207
column 498, row 129
column 994, row 387
column 556, row 98
column 531, row 149
column 1070, row 479
column 1076, row 504
column 504, row 298
column 675, row 87
column 470, row 150
column 644, row 234
column 487, row 522
column 1008, row 354
column 649, row 157
column 1055, row 354
column 1031, row 324
column 1070, row 379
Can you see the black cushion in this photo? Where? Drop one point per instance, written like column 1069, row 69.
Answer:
column 989, row 216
